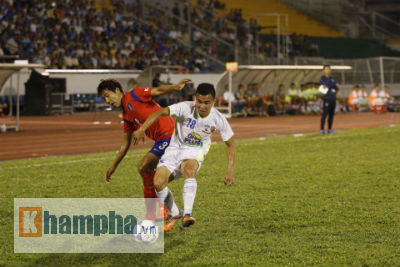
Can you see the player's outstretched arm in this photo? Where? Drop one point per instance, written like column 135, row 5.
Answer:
column 121, row 154
column 140, row 133
column 229, row 179
column 166, row 89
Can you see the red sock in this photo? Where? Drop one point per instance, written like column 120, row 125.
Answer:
column 149, row 192
column 148, row 185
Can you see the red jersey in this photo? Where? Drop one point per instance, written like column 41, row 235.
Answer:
column 137, row 105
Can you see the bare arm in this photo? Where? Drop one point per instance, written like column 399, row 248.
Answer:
column 230, row 144
column 121, row 154
column 166, row 89
column 140, row 133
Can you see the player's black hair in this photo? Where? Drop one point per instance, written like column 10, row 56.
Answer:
column 109, row 84
column 205, row 89
column 326, row 65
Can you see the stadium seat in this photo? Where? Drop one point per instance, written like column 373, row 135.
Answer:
column 299, row 23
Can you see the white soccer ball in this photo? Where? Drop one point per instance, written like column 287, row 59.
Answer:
column 146, row 232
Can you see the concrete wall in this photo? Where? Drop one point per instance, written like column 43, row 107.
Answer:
column 87, row 83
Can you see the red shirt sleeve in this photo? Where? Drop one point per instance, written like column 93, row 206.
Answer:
column 142, row 94
column 130, row 126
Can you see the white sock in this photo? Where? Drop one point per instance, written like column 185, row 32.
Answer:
column 189, row 193
column 170, row 204
column 162, row 195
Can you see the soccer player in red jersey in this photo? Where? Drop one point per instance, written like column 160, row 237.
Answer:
column 137, row 105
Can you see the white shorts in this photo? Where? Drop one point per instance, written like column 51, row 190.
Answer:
column 378, row 101
column 173, row 158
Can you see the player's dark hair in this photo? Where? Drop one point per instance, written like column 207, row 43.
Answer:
column 205, row 89
column 325, row 66
column 109, row 84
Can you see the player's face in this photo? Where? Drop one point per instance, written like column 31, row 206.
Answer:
column 204, row 103
column 112, row 98
column 327, row 71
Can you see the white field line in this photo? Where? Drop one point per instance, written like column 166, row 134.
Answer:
column 66, row 162
column 318, row 136
column 298, row 135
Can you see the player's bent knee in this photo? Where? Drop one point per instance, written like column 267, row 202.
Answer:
column 160, row 183
column 142, row 167
column 161, row 178
column 189, row 168
column 147, row 164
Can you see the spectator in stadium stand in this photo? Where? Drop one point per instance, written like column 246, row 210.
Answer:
column 373, row 96
column 303, row 97
column 241, row 98
column 229, row 96
column 279, row 99
column 353, row 98
column 362, row 97
column 156, row 81
column 329, row 98
column 3, row 106
column 384, row 94
column 292, row 95
column 73, row 34
column 255, row 100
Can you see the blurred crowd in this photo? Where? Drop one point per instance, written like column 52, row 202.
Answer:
column 233, row 27
column 303, row 99
column 73, row 34
column 377, row 99
column 129, row 35
column 248, row 100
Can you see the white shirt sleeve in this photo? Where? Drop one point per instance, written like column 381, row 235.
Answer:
column 223, row 127
column 179, row 109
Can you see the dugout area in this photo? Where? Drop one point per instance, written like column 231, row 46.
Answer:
column 6, row 71
column 270, row 76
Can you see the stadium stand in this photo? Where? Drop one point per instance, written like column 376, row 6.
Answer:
column 299, row 22
column 133, row 34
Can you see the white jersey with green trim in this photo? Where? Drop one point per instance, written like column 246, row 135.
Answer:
column 193, row 131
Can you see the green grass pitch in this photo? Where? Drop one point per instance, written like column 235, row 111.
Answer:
column 298, row 201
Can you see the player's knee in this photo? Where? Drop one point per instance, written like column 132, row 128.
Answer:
column 189, row 168
column 159, row 183
column 142, row 167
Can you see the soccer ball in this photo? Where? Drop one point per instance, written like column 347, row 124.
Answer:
column 146, row 232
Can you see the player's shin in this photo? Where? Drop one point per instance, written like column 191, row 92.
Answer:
column 189, row 194
column 170, row 204
column 149, row 195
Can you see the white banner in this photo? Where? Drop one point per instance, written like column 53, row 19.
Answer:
column 88, row 225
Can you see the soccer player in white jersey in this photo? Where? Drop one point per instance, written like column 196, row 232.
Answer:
column 196, row 121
